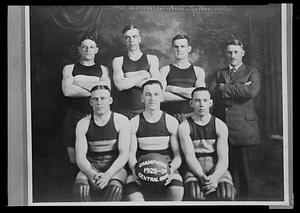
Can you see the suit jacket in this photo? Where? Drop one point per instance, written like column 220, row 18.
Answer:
column 234, row 103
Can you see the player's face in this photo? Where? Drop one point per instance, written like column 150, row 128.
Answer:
column 100, row 101
column 88, row 49
column 235, row 54
column 152, row 97
column 132, row 39
column 201, row 103
column 181, row 48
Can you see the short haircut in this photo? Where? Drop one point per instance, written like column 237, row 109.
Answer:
column 100, row 86
column 197, row 89
column 181, row 36
column 90, row 37
column 235, row 42
column 128, row 27
column 150, row 82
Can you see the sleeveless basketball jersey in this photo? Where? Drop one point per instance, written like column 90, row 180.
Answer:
column 102, row 139
column 183, row 78
column 153, row 137
column 203, row 137
column 131, row 98
column 82, row 104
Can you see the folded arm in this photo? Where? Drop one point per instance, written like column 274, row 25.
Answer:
column 250, row 89
column 123, row 82
column 68, row 87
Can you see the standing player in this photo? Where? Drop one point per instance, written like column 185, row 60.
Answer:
column 132, row 70
column 154, row 131
column 102, row 148
column 179, row 79
column 78, row 79
column 203, row 139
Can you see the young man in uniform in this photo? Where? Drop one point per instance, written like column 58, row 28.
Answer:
column 179, row 79
column 78, row 79
column 102, row 148
column 203, row 140
column 132, row 70
column 154, row 131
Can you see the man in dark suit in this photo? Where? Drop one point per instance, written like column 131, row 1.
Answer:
column 233, row 90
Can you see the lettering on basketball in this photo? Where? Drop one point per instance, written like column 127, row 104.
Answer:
column 152, row 162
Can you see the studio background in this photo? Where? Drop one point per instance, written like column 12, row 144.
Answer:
column 54, row 32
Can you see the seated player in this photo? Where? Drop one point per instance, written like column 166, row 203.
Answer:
column 154, row 131
column 102, row 148
column 203, row 140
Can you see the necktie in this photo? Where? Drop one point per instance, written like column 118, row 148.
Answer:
column 232, row 72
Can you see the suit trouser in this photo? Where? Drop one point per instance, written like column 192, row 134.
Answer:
column 240, row 166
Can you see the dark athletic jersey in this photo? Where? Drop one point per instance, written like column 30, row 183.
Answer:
column 183, row 78
column 203, row 137
column 131, row 98
column 102, row 139
column 82, row 104
column 153, row 137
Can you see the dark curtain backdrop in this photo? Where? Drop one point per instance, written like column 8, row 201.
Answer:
column 54, row 33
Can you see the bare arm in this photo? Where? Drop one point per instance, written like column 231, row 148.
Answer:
column 168, row 96
column 105, row 79
column 81, row 148
column 222, row 149
column 172, row 125
column 121, row 81
column 154, row 67
column 134, row 122
column 88, row 82
column 222, row 152
column 122, row 126
column 188, row 150
column 68, row 87
column 186, row 92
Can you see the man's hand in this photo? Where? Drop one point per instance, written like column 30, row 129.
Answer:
column 211, row 184
column 101, row 180
column 170, row 175
column 220, row 86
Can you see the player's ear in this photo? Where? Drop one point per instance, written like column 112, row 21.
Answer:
column 211, row 102
column 142, row 98
column 191, row 103
column 111, row 100
column 189, row 49
column 96, row 50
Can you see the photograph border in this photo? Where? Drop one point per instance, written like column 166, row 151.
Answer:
column 287, row 130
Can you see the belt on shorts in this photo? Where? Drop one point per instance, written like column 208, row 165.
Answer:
column 211, row 154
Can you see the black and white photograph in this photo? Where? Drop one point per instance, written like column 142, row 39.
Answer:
column 140, row 105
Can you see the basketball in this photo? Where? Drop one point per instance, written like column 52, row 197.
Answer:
column 152, row 170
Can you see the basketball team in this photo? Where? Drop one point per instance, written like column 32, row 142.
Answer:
column 202, row 131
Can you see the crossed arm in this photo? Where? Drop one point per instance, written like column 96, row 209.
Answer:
column 80, row 85
column 176, row 93
column 129, row 80
column 250, row 89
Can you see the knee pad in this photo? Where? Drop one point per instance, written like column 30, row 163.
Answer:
column 81, row 191
column 226, row 191
column 192, row 191
column 113, row 191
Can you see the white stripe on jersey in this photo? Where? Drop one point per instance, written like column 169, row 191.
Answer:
column 154, row 143
column 204, row 145
column 103, row 145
